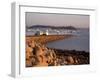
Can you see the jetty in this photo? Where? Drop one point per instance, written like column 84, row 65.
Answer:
column 43, row 39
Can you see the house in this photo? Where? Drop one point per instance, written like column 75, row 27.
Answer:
column 42, row 32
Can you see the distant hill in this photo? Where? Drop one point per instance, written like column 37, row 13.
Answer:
column 52, row 27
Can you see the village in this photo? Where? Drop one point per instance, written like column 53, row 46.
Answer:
column 50, row 30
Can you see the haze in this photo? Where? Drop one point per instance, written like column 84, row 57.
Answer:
column 78, row 21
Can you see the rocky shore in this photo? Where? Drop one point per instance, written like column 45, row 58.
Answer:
column 45, row 39
column 37, row 54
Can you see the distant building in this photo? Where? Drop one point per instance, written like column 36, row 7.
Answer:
column 42, row 32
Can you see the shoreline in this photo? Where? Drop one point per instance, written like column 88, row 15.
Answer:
column 43, row 39
column 73, row 57
column 37, row 54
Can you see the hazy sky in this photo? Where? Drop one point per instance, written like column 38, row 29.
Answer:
column 80, row 21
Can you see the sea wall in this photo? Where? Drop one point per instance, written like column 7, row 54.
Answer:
column 45, row 39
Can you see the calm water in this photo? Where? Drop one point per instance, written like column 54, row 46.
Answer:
column 81, row 42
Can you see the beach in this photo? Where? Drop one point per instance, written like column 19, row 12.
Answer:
column 38, row 54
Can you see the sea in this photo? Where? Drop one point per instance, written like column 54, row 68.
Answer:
column 79, row 42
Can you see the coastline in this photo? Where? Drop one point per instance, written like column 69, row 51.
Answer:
column 37, row 54
column 43, row 39
column 73, row 57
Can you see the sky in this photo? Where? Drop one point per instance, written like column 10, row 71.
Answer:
column 78, row 21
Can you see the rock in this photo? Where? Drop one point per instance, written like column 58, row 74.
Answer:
column 70, row 60
column 32, row 44
column 42, row 61
column 28, row 63
column 28, row 52
column 38, row 54
column 40, row 57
